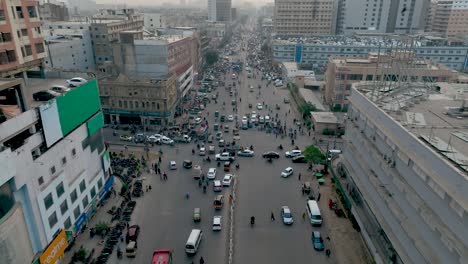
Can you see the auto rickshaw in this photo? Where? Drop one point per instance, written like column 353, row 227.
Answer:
column 277, row 107
column 227, row 166
column 216, row 114
column 306, row 188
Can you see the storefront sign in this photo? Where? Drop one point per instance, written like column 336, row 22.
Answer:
column 55, row 249
column 79, row 222
column 107, row 187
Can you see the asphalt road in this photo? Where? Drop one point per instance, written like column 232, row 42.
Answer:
column 165, row 215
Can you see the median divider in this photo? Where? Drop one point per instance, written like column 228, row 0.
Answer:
column 232, row 205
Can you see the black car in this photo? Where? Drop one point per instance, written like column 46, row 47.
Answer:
column 299, row 159
column 271, row 154
column 44, row 95
column 187, row 164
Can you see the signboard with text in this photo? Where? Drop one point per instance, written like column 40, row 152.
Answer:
column 55, row 249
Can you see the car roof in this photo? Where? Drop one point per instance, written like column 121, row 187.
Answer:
column 288, row 168
column 212, row 169
column 316, row 233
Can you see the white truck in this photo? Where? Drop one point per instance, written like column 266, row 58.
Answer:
column 224, row 157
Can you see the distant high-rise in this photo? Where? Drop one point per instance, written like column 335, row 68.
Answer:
column 219, row 10
column 450, row 18
column 182, row 2
column 381, row 16
column 304, row 18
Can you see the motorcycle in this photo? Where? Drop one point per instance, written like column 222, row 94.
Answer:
column 237, row 166
column 270, row 160
column 252, row 220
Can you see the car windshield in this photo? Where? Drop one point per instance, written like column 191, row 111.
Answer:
column 287, row 215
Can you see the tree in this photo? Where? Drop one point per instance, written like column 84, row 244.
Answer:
column 306, row 108
column 211, row 57
column 313, row 155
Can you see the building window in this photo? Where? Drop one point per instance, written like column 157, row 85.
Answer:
column 40, row 180
column 77, row 212
column 19, row 12
column 73, row 152
column 28, row 50
column 22, row 52
column 82, row 186
column 24, row 32
column 85, row 201
column 369, row 77
column 120, row 103
column 38, row 30
column 7, row 57
column 73, row 196
column 67, row 223
column 5, row 37
column 48, row 201
column 2, row 15
column 52, row 170
column 99, row 184
column 64, row 160
column 52, row 220
column 157, row 106
column 39, row 47
column 64, row 207
column 32, row 11
column 93, row 192
column 60, row 190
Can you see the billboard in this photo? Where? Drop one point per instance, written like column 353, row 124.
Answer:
column 55, row 249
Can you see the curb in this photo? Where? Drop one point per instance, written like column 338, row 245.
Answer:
column 231, row 223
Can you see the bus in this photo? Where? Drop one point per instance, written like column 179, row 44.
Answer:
column 162, row 256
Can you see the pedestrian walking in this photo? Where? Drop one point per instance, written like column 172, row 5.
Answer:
column 318, row 197
column 327, row 252
column 299, row 176
column 202, row 261
column 303, row 191
column 272, row 217
column 146, row 188
column 303, row 216
column 159, row 159
column 149, row 187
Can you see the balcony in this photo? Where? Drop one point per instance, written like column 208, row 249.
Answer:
column 17, row 124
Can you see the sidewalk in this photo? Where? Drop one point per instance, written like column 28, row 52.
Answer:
column 345, row 242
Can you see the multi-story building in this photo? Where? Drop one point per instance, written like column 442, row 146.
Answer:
column 449, row 18
column 145, row 101
column 391, row 16
column 317, row 51
column 69, row 47
column 153, row 21
column 53, row 11
column 403, row 171
column 394, row 67
column 304, row 18
column 21, row 41
column 105, row 29
column 219, row 10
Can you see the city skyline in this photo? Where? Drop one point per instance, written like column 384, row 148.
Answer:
column 161, row 2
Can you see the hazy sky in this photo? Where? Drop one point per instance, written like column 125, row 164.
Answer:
column 158, row 2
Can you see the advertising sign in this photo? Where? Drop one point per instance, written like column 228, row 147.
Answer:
column 55, row 249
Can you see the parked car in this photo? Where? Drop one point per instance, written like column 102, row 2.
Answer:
column 126, row 138
column 140, row 138
column 293, row 153
column 287, row 172
column 317, row 241
column 77, row 81
column 60, row 89
column 227, row 180
column 286, row 215
column 132, row 233
column 45, row 95
column 271, row 155
column 245, row 153
column 299, row 159
column 211, row 173
column 167, row 141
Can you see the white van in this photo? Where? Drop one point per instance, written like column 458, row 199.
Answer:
column 193, row 242
column 314, row 212
column 333, row 153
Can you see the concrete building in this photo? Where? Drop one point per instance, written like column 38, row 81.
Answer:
column 317, row 51
column 53, row 11
column 219, row 11
column 324, row 121
column 54, row 176
column 391, row 16
column 403, row 171
column 153, row 21
column 22, row 44
column 69, row 47
column 343, row 72
column 449, row 18
column 304, row 18
column 145, row 101
column 106, row 27
column 292, row 73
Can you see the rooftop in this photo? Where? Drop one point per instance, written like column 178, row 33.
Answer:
column 324, row 117
column 434, row 113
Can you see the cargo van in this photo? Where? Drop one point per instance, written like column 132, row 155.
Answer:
column 314, row 212
column 193, row 242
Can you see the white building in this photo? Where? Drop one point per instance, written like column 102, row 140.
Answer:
column 54, row 166
column 153, row 21
column 404, row 170
column 381, row 16
column 69, row 47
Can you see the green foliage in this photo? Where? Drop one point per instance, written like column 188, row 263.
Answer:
column 123, row 190
column 81, row 254
column 313, row 155
column 306, row 108
column 328, row 132
column 100, row 227
column 211, row 57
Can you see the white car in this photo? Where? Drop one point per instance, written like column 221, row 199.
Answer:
column 211, row 173
column 230, row 118
column 259, row 106
column 198, row 120
column 245, row 119
column 224, row 157
column 77, row 81
column 261, row 120
column 286, row 215
column 287, row 172
column 227, row 180
column 166, row 140
column 217, row 223
column 245, row 153
column 156, row 138
column 293, row 153
column 202, row 151
column 172, row 165
column 60, row 89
